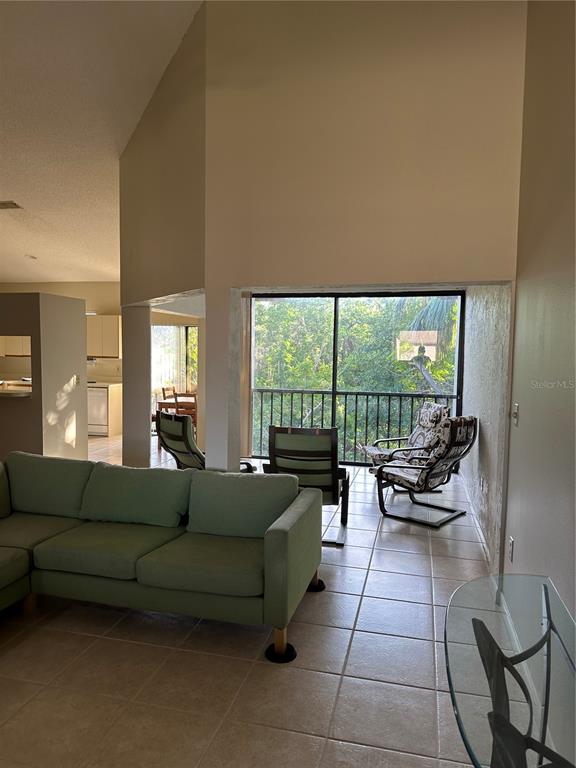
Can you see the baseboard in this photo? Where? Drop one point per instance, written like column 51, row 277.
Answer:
column 477, row 525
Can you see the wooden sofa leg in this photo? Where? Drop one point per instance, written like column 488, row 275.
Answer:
column 316, row 585
column 280, row 641
column 281, row 651
column 29, row 603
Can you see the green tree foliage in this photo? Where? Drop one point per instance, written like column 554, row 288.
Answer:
column 293, row 343
column 191, row 358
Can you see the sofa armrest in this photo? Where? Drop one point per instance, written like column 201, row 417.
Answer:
column 292, row 553
column 5, row 504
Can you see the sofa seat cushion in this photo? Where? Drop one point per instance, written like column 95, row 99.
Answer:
column 102, row 549
column 26, row 531
column 14, row 563
column 45, row 485
column 196, row 562
column 136, row 495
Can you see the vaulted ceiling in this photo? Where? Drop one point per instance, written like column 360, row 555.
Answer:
column 75, row 78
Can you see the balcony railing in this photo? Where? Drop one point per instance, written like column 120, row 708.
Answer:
column 361, row 417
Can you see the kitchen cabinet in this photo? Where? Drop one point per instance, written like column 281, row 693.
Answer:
column 104, row 336
column 105, row 409
column 15, row 346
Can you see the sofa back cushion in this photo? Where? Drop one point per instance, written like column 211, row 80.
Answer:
column 234, row 504
column 46, row 485
column 5, row 506
column 128, row 495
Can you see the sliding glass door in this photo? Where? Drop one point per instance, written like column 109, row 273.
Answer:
column 174, row 359
column 363, row 364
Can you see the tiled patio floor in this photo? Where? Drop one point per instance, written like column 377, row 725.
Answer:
column 97, row 687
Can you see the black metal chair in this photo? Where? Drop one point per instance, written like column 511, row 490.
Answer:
column 176, row 436
column 454, row 439
column 311, row 455
column 510, row 746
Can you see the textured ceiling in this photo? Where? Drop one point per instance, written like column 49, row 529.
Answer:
column 75, row 78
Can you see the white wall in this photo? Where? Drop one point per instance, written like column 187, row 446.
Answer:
column 162, row 182
column 21, row 418
column 53, row 421
column 64, row 395
column 354, row 143
column 136, row 417
column 541, row 503
column 485, row 395
column 100, row 297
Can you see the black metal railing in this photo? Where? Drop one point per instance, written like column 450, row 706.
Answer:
column 361, row 417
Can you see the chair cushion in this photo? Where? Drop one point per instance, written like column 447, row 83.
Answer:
column 431, row 414
column 14, row 563
column 102, row 549
column 407, row 478
column 218, row 565
column 439, row 440
column 26, row 531
column 128, row 495
column 45, row 485
column 236, row 504
column 171, row 429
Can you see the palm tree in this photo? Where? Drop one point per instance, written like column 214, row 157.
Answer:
column 437, row 314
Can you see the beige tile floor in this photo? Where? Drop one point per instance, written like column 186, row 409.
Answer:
column 87, row 686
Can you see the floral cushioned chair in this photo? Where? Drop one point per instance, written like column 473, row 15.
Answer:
column 419, row 443
column 423, row 473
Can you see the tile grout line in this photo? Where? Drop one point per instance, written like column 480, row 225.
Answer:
column 217, row 730
column 122, row 709
column 342, row 674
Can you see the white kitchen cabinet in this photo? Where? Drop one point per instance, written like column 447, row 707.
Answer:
column 104, row 336
column 105, row 409
column 15, row 346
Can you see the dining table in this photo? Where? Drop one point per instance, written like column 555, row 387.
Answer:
column 184, row 404
column 510, row 649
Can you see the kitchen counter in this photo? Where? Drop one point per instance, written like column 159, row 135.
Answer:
column 15, row 388
column 104, row 384
column 15, row 392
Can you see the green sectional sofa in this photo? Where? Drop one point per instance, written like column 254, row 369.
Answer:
column 233, row 547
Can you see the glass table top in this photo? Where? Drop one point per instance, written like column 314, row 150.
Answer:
column 510, row 652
